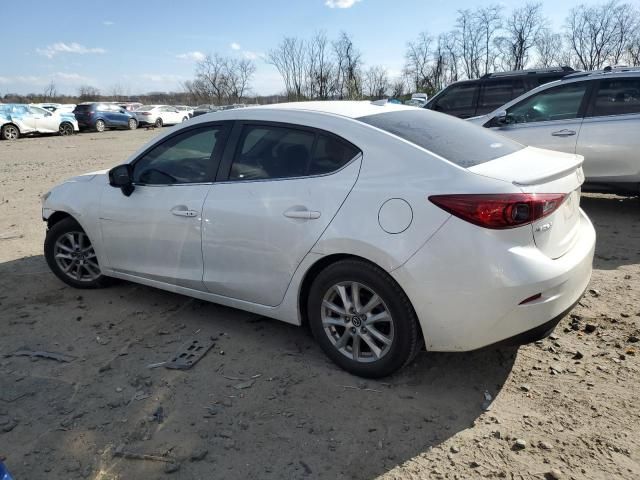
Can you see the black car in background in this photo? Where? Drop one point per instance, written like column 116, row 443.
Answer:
column 100, row 116
column 202, row 109
column 470, row 98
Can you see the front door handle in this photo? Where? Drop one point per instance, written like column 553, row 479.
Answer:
column 564, row 133
column 303, row 214
column 182, row 211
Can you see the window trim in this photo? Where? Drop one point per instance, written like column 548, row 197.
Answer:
column 580, row 114
column 233, row 150
column 225, row 128
column 594, row 94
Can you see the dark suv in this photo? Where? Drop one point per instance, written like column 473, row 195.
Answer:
column 100, row 116
column 469, row 98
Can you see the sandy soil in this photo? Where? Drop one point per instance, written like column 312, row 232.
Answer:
column 567, row 407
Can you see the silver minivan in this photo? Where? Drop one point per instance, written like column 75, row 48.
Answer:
column 594, row 114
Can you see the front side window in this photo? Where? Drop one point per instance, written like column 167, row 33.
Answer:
column 457, row 97
column 185, row 158
column 617, row 97
column 557, row 103
column 497, row 93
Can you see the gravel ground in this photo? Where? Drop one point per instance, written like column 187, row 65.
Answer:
column 265, row 403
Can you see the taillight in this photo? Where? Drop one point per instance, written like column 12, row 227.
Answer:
column 499, row 211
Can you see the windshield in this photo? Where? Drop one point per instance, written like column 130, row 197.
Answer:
column 458, row 141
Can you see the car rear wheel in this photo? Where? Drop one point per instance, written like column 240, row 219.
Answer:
column 158, row 122
column 100, row 126
column 132, row 124
column 10, row 132
column 185, row 119
column 362, row 319
column 65, row 129
column 71, row 256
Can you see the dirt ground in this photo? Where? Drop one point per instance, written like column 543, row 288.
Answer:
column 265, row 403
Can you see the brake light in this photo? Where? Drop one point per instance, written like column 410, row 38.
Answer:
column 500, row 211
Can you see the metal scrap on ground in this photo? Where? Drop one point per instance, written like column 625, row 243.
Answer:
column 190, row 353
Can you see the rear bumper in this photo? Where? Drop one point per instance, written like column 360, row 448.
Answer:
column 466, row 285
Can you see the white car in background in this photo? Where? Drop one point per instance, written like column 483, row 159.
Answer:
column 17, row 119
column 185, row 108
column 160, row 115
column 372, row 222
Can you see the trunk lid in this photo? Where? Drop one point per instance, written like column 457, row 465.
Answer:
column 535, row 170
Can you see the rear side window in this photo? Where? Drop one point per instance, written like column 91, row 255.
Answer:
column 272, row 152
column 617, row 97
column 458, row 141
column 497, row 93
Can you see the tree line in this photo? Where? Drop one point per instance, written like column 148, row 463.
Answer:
column 483, row 40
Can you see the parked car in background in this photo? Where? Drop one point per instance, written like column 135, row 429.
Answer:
column 417, row 100
column 594, row 114
column 160, row 115
column 185, row 108
column 202, row 109
column 295, row 212
column 100, row 116
column 18, row 119
column 57, row 107
column 129, row 106
column 468, row 98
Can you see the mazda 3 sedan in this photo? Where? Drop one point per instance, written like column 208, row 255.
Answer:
column 385, row 227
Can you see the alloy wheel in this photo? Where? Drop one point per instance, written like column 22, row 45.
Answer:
column 66, row 129
column 357, row 322
column 100, row 126
column 10, row 132
column 76, row 257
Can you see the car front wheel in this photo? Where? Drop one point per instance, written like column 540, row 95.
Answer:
column 71, row 256
column 362, row 319
column 10, row 132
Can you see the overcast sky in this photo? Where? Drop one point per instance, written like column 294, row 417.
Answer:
column 152, row 45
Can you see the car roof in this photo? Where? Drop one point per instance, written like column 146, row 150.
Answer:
column 343, row 108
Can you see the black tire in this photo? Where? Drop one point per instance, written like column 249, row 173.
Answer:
column 65, row 129
column 10, row 132
column 132, row 124
column 59, row 230
column 185, row 119
column 158, row 123
column 100, row 126
column 406, row 333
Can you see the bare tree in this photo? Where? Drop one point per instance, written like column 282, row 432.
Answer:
column 601, row 33
column 633, row 50
column 376, row 82
column 489, row 22
column 522, row 29
column 50, row 92
column 238, row 74
column 398, row 87
column 289, row 59
column 319, row 66
column 116, row 91
column 418, row 62
column 348, row 60
column 87, row 92
column 549, row 49
column 469, row 36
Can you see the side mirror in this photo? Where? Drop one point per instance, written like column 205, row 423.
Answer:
column 501, row 118
column 122, row 177
column 48, row 114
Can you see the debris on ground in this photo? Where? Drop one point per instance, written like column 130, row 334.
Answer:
column 59, row 357
column 190, row 353
column 129, row 455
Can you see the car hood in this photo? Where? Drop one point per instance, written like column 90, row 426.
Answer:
column 87, row 177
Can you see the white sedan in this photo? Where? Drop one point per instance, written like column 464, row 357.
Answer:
column 384, row 227
column 160, row 115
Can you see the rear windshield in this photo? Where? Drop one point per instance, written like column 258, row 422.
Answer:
column 458, row 141
column 81, row 108
column 148, row 108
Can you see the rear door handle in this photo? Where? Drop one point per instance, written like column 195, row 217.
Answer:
column 303, row 214
column 182, row 211
column 563, row 133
